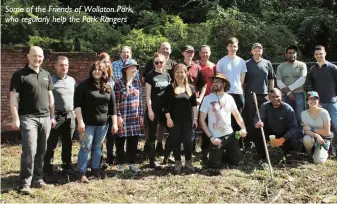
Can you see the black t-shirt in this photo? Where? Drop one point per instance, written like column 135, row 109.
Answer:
column 33, row 91
column 158, row 82
column 258, row 75
column 179, row 105
column 169, row 67
column 96, row 106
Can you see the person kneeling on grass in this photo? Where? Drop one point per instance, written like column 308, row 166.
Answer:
column 180, row 106
column 277, row 118
column 316, row 126
column 218, row 107
column 130, row 114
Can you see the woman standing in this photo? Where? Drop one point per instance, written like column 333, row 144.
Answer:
column 130, row 114
column 316, row 125
column 180, row 107
column 94, row 100
column 110, row 138
column 155, row 83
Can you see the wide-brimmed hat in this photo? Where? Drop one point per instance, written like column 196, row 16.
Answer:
column 129, row 63
column 224, row 78
column 312, row 94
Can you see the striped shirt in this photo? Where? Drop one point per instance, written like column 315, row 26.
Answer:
column 129, row 105
column 117, row 69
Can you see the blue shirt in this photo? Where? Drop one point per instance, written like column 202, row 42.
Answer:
column 117, row 69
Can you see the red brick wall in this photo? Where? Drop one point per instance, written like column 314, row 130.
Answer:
column 14, row 59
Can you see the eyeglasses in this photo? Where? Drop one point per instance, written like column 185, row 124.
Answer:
column 158, row 62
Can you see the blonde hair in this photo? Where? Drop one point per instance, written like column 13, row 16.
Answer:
column 185, row 82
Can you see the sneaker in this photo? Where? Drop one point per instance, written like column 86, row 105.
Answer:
column 159, row 148
column 134, row 168
column 189, row 165
column 177, row 167
column 42, row 184
column 121, row 168
column 155, row 165
column 25, row 190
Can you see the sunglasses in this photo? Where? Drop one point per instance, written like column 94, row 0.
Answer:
column 158, row 62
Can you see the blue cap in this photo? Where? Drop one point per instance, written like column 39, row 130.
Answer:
column 129, row 63
column 312, row 94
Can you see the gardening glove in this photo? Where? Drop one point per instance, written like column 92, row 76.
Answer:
column 277, row 142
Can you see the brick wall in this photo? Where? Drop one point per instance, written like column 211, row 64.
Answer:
column 14, row 59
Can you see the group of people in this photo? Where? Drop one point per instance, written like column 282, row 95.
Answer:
column 179, row 97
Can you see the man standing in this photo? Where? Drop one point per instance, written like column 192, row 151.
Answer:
column 323, row 79
column 117, row 66
column 277, row 118
column 218, row 107
column 259, row 79
column 165, row 49
column 234, row 67
column 32, row 108
column 64, row 88
column 290, row 77
column 208, row 70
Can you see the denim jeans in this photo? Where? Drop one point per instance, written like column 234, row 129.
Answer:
column 332, row 109
column 35, row 132
column 298, row 105
column 93, row 143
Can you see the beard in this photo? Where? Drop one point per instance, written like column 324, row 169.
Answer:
column 217, row 88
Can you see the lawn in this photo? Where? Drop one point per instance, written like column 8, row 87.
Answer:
column 294, row 181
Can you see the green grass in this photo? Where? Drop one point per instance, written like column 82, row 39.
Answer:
column 297, row 181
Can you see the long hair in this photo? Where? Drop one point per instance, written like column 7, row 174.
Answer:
column 102, row 85
column 104, row 55
column 124, row 81
column 185, row 82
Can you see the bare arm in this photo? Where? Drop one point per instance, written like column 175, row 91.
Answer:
column 202, row 92
column 14, row 99
column 202, row 122
column 239, row 119
column 78, row 113
column 195, row 112
column 271, row 84
column 148, row 96
column 51, row 103
column 242, row 78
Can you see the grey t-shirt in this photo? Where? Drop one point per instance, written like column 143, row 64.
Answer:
column 64, row 93
column 258, row 75
column 318, row 122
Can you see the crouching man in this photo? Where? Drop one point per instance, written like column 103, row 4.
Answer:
column 218, row 107
column 277, row 118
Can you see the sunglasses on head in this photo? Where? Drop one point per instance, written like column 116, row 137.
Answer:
column 158, row 62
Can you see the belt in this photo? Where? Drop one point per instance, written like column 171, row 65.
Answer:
column 62, row 112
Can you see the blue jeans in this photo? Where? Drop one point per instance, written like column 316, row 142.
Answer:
column 332, row 109
column 93, row 143
column 298, row 105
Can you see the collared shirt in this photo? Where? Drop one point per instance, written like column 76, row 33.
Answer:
column 324, row 81
column 63, row 92
column 117, row 69
column 130, row 107
column 33, row 91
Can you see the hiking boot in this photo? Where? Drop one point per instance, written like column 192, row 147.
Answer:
column 42, row 184
column 177, row 167
column 134, row 168
column 159, row 148
column 25, row 190
column 155, row 165
column 189, row 165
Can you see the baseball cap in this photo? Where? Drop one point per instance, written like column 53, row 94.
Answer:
column 312, row 94
column 257, row 45
column 187, row 48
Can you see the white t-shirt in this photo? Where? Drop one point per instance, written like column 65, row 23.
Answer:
column 232, row 68
column 219, row 114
